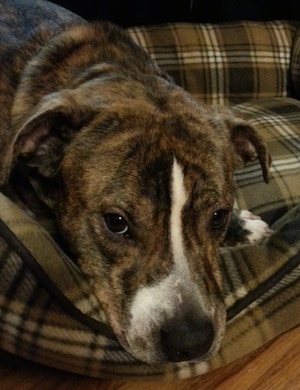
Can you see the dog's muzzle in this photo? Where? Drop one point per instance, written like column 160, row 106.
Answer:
column 175, row 328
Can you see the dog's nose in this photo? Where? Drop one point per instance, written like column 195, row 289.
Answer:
column 187, row 342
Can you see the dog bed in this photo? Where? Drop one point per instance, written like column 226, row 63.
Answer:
column 49, row 313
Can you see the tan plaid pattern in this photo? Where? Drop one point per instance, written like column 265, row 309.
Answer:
column 226, row 63
column 48, row 312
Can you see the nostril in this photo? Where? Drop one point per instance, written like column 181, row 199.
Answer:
column 187, row 343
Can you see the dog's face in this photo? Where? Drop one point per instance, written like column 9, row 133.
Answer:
column 140, row 179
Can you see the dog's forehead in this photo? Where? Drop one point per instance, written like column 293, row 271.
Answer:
column 139, row 162
column 130, row 153
column 148, row 171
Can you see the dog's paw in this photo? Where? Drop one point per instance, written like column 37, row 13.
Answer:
column 256, row 229
column 245, row 228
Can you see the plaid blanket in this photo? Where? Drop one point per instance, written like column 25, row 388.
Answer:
column 48, row 311
column 50, row 315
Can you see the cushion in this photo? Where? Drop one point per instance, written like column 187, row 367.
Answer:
column 224, row 63
column 50, row 315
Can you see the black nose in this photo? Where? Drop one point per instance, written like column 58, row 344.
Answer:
column 188, row 341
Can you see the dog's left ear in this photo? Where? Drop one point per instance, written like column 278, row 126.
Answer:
column 247, row 144
column 41, row 138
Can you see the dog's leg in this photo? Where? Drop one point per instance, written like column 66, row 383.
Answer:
column 245, row 228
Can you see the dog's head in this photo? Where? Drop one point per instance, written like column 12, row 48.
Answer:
column 139, row 176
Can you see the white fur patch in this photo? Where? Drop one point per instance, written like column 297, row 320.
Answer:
column 153, row 305
column 259, row 230
column 179, row 198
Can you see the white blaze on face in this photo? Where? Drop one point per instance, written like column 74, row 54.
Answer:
column 153, row 305
column 179, row 198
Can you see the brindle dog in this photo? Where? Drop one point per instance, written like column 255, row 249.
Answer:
column 137, row 173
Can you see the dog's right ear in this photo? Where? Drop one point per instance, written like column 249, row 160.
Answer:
column 41, row 138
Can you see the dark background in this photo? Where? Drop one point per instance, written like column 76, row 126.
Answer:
column 136, row 12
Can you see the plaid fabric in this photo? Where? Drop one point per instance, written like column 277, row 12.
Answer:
column 226, row 63
column 49, row 315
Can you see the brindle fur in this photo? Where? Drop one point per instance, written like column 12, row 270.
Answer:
column 94, row 124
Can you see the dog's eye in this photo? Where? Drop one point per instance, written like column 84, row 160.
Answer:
column 219, row 218
column 116, row 224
